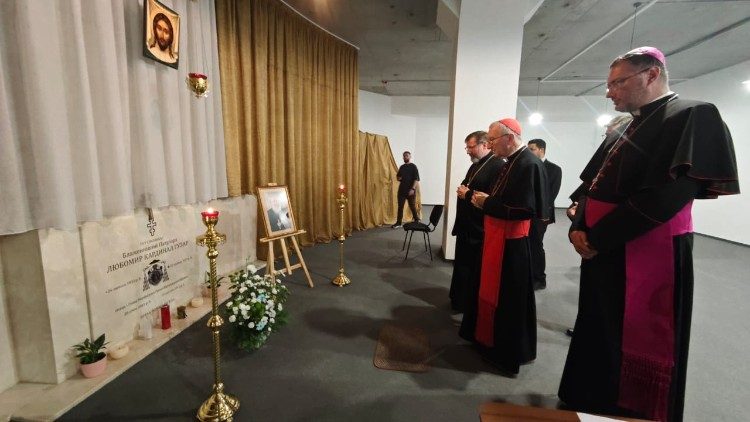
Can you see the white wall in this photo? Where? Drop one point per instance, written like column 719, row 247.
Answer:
column 375, row 117
column 416, row 124
column 569, row 128
column 431, row 150
column 571, row 133
column 725, row 217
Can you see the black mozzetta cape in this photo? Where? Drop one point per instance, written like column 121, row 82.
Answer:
column 523, row 191
column 480, row 177
column 674, row 151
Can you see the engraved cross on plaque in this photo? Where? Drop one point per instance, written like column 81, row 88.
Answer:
column 151, row 222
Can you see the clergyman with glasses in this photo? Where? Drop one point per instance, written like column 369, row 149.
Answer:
column 469, row 224
column 633, row 230
column 503, row 328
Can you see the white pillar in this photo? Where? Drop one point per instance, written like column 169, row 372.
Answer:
column 488, row 62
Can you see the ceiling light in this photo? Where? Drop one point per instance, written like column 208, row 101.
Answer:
column 603, row 119
column 747, row 84
column 535, row 119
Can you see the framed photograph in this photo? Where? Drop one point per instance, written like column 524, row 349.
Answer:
column 276, row 210
column 161, row 33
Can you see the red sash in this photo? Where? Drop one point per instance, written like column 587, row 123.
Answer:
column 495, row 232
column 648, row 322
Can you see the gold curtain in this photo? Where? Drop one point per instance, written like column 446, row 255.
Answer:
column 379, row 183
column 290, row 103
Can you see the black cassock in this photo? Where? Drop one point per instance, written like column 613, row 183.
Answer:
column 503, row 322
column 469, row 231
column 628, row 355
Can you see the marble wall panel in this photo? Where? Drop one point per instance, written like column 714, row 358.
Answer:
column 132, row 270
column 66, row 296
column 8, row 376
column 27, row 307
column 58, row 287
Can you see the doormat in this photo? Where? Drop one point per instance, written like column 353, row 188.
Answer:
column 402, row 349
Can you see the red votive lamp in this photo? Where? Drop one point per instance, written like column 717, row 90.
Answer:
column 342, row 188
column 166, row 318
column 210, row 212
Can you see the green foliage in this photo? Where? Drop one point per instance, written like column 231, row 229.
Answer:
column 207, row 280
column 255, row 309
column 90, row 351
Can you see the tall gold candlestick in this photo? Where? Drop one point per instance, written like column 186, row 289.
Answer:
column 219, row 406
column 341, row 279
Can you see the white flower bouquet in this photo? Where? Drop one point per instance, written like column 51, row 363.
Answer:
column 255, row 309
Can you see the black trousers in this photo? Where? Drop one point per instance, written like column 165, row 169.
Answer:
column 538, row 260
column 412, row 206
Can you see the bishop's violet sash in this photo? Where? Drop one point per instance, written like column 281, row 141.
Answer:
column 648, row 323
column 496, row 231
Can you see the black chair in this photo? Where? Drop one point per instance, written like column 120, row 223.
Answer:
column 426, row 229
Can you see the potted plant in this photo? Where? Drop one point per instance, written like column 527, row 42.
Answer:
column 91, row 357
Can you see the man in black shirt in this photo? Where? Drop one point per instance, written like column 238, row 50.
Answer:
column 408, row 177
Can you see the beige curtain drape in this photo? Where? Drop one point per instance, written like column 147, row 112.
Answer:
column 290, row 111
column 379, row 183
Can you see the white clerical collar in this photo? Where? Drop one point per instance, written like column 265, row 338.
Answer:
column 637, row 112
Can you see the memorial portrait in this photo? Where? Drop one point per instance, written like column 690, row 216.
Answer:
column 161, row 33
column 276, row 210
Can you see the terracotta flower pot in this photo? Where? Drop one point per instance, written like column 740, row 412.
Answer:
column 91, row 370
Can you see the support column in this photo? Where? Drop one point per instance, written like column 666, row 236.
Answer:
column 485, row 89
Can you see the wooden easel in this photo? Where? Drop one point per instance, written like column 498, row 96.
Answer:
column 271, row 269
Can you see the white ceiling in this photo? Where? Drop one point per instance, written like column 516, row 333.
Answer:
column 403, row 51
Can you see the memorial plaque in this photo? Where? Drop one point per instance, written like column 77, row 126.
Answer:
column 132, row 269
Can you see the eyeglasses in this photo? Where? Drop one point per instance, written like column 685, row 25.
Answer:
column 468, row 147
column 492, row 140
column 619, row 82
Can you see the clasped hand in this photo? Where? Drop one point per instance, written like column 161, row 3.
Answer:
column 461, row 191
column 478, row 198
column 581, row 244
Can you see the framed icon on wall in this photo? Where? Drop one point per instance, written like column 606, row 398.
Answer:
column 161, row 33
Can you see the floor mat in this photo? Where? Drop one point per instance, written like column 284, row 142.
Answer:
column 402, row 349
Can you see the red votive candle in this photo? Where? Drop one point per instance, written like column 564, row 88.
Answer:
column 342, row 188
column 166, row 318
column 210, row 212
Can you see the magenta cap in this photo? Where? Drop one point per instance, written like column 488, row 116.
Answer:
column 649, row 51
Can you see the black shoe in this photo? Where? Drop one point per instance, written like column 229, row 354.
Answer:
column 569, row 332
column 395, row 226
